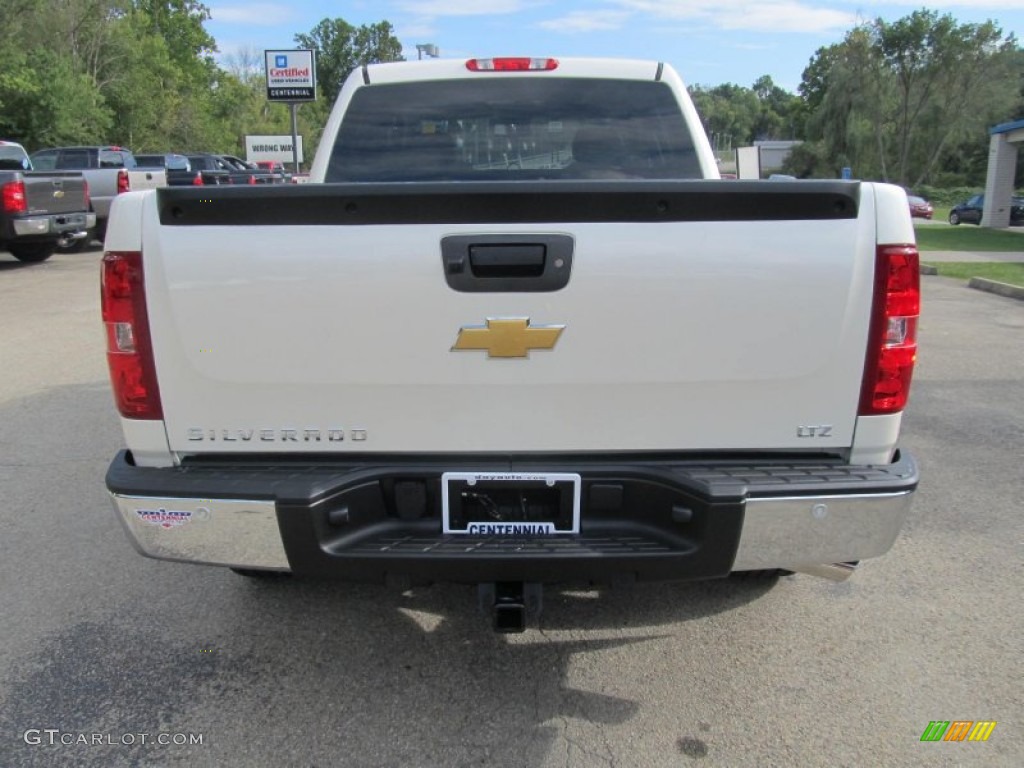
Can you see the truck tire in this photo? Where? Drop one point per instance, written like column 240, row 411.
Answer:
column 32, row 252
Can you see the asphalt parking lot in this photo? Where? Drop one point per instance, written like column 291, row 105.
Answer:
column 99, row 643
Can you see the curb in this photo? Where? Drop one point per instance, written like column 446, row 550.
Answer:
column 928, row 269
column 1001, row 289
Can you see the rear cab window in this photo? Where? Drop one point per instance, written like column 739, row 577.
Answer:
column 75, row 159
column 507, row 129
column 115, row 158
column 45, row 160
column 13, row 158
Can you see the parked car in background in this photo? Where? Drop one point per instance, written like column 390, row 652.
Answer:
column 215, row 170
column 920, row 208
column 228, row 170
column 970, row 212
column 110, row 172
column 180, row 171
column 170, row 161
column 276, row 167
column 263, row 174
column 39, row 211
column 239, row 163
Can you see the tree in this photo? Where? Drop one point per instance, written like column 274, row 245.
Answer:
column 777, row 111
column 841, row 90
column 341, row 48
column 184, row 70
column 142, row 73
column 143, row 86
column 727, row 110
column 55, row 105
column 744, row 115
column 134, row 72
column 180, row 24
column 898, row 97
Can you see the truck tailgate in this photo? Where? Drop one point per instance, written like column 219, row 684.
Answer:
column 697, row 315
column 55, row 192
column 150, row 178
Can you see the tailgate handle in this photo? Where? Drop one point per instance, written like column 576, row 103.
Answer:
column 506, row 263
column 524, row 260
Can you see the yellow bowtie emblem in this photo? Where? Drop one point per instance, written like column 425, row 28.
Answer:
column 508, row 337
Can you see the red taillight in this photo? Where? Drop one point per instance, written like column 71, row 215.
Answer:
column 129, row 347
column 123, row 184
column 892, row 340
column 13, row 195
column 85, row 194
column 197, row 180
column 512, row 64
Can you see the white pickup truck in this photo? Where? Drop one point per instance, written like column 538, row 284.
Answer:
column 522, row 334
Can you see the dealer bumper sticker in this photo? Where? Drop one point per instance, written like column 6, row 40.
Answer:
column 165, row 518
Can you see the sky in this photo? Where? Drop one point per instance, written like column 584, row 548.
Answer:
column 709, row 42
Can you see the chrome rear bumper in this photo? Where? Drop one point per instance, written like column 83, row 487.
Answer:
column 241, row 534
column 819, row 535
column 333, row 520
column 54, row 224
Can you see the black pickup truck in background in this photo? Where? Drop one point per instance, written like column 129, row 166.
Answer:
column 179, row 170
column 200, row 169
column 40, row 211
column 237, row 170
column 265, row 174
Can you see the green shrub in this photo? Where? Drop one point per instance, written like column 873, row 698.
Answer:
column 948, row 196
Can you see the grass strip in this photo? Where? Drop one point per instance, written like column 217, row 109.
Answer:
column 1011, row 273
column 967, row 237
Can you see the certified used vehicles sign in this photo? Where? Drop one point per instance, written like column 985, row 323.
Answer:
column 291, row 75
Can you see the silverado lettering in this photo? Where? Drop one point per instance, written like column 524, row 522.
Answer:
column 199, row 434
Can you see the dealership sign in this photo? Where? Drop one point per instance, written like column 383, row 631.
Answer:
column 273, row 148
column 291, row 75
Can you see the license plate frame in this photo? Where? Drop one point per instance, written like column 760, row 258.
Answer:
column 540, row 487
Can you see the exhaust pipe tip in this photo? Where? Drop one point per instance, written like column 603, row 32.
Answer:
column 69, row 238
column 830, row 571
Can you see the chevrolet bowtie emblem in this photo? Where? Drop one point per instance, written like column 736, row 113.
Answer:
column 508, row 337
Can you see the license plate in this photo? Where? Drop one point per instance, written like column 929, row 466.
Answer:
column 510, row 503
